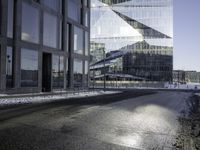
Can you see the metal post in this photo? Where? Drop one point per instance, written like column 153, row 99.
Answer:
column 104, row 79
column 93, row 77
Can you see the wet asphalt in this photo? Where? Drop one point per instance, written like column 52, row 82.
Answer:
column 127, row 120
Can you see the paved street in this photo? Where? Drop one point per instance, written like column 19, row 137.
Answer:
column 144, row 122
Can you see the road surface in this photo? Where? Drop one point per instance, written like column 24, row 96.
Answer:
column 145, row 122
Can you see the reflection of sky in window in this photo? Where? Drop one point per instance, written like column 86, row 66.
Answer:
column 73, row 10
column 10, row 18
column 29, row 59
column 50, row 30
column 78, row 66
column 30, row 23
column 78, row 40
column 54, row 4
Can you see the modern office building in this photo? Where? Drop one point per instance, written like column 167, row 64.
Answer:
column 183, row 77
column 44, row 45
column 141, row 34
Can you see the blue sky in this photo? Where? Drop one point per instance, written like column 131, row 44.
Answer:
column 187, row 34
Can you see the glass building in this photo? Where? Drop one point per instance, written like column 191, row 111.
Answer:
column 136, row 33
column 44, row 45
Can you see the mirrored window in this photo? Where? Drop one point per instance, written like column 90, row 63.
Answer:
column 30, row 23
column 10, row 18
column 9, row 67
column 50, row 30
column 78, row 40
column 86, row 74
column 86, row 23
column 29, row 68
column 74, row 10
column 78, row 72
column 58, row 71
column 53, row 4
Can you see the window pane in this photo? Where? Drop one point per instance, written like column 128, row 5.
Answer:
column 50, row 33
column 29, row 68
column 58, row 71
column 10, row 18
column 30, row 23
column 86, row 23
column 78, row 72
column 53, row 4
column 74, row 10
column 86, row 67
column 86, row 43
column 9, row 67
column 86, row 74
column 78, row 40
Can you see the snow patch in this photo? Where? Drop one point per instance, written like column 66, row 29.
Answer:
column 50, row 98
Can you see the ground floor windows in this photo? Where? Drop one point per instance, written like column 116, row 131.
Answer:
column 58, row 71
column 86, row 74
column 9, row 67
column 29, row 68
column 78, row 72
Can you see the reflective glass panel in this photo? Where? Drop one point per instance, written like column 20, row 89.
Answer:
column 53, row 4
column 30, row 23
column 86, row 74
column 78, row 40
column 74, row 10
column 29, row 68
column 10, row 18
column 50, row 30
column 58, row 71
column 78, row 72
column 9, row 67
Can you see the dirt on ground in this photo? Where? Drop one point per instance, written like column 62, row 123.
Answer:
column 188, row 137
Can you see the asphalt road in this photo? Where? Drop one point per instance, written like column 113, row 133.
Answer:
column 121, row 121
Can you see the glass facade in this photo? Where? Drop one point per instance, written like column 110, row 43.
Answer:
column 10, row 18
column 74, row 10
column 138, row 33
column 9, row 67
column 40, row 40
column 78, row 72
column 50, row 30
column 29, row 68
column 78, row 40
column 53, row 4
column 58, row 71
column 30, row 29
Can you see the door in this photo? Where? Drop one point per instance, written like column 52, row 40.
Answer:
column 46, row 72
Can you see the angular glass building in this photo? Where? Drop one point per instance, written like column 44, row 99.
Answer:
column 136, row 33
column 44, row 45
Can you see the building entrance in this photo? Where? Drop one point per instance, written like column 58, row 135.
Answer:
column 46, row 72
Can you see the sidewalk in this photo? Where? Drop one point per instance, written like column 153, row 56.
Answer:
column 18, row 99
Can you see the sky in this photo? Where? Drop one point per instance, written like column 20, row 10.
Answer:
column 187, row 34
